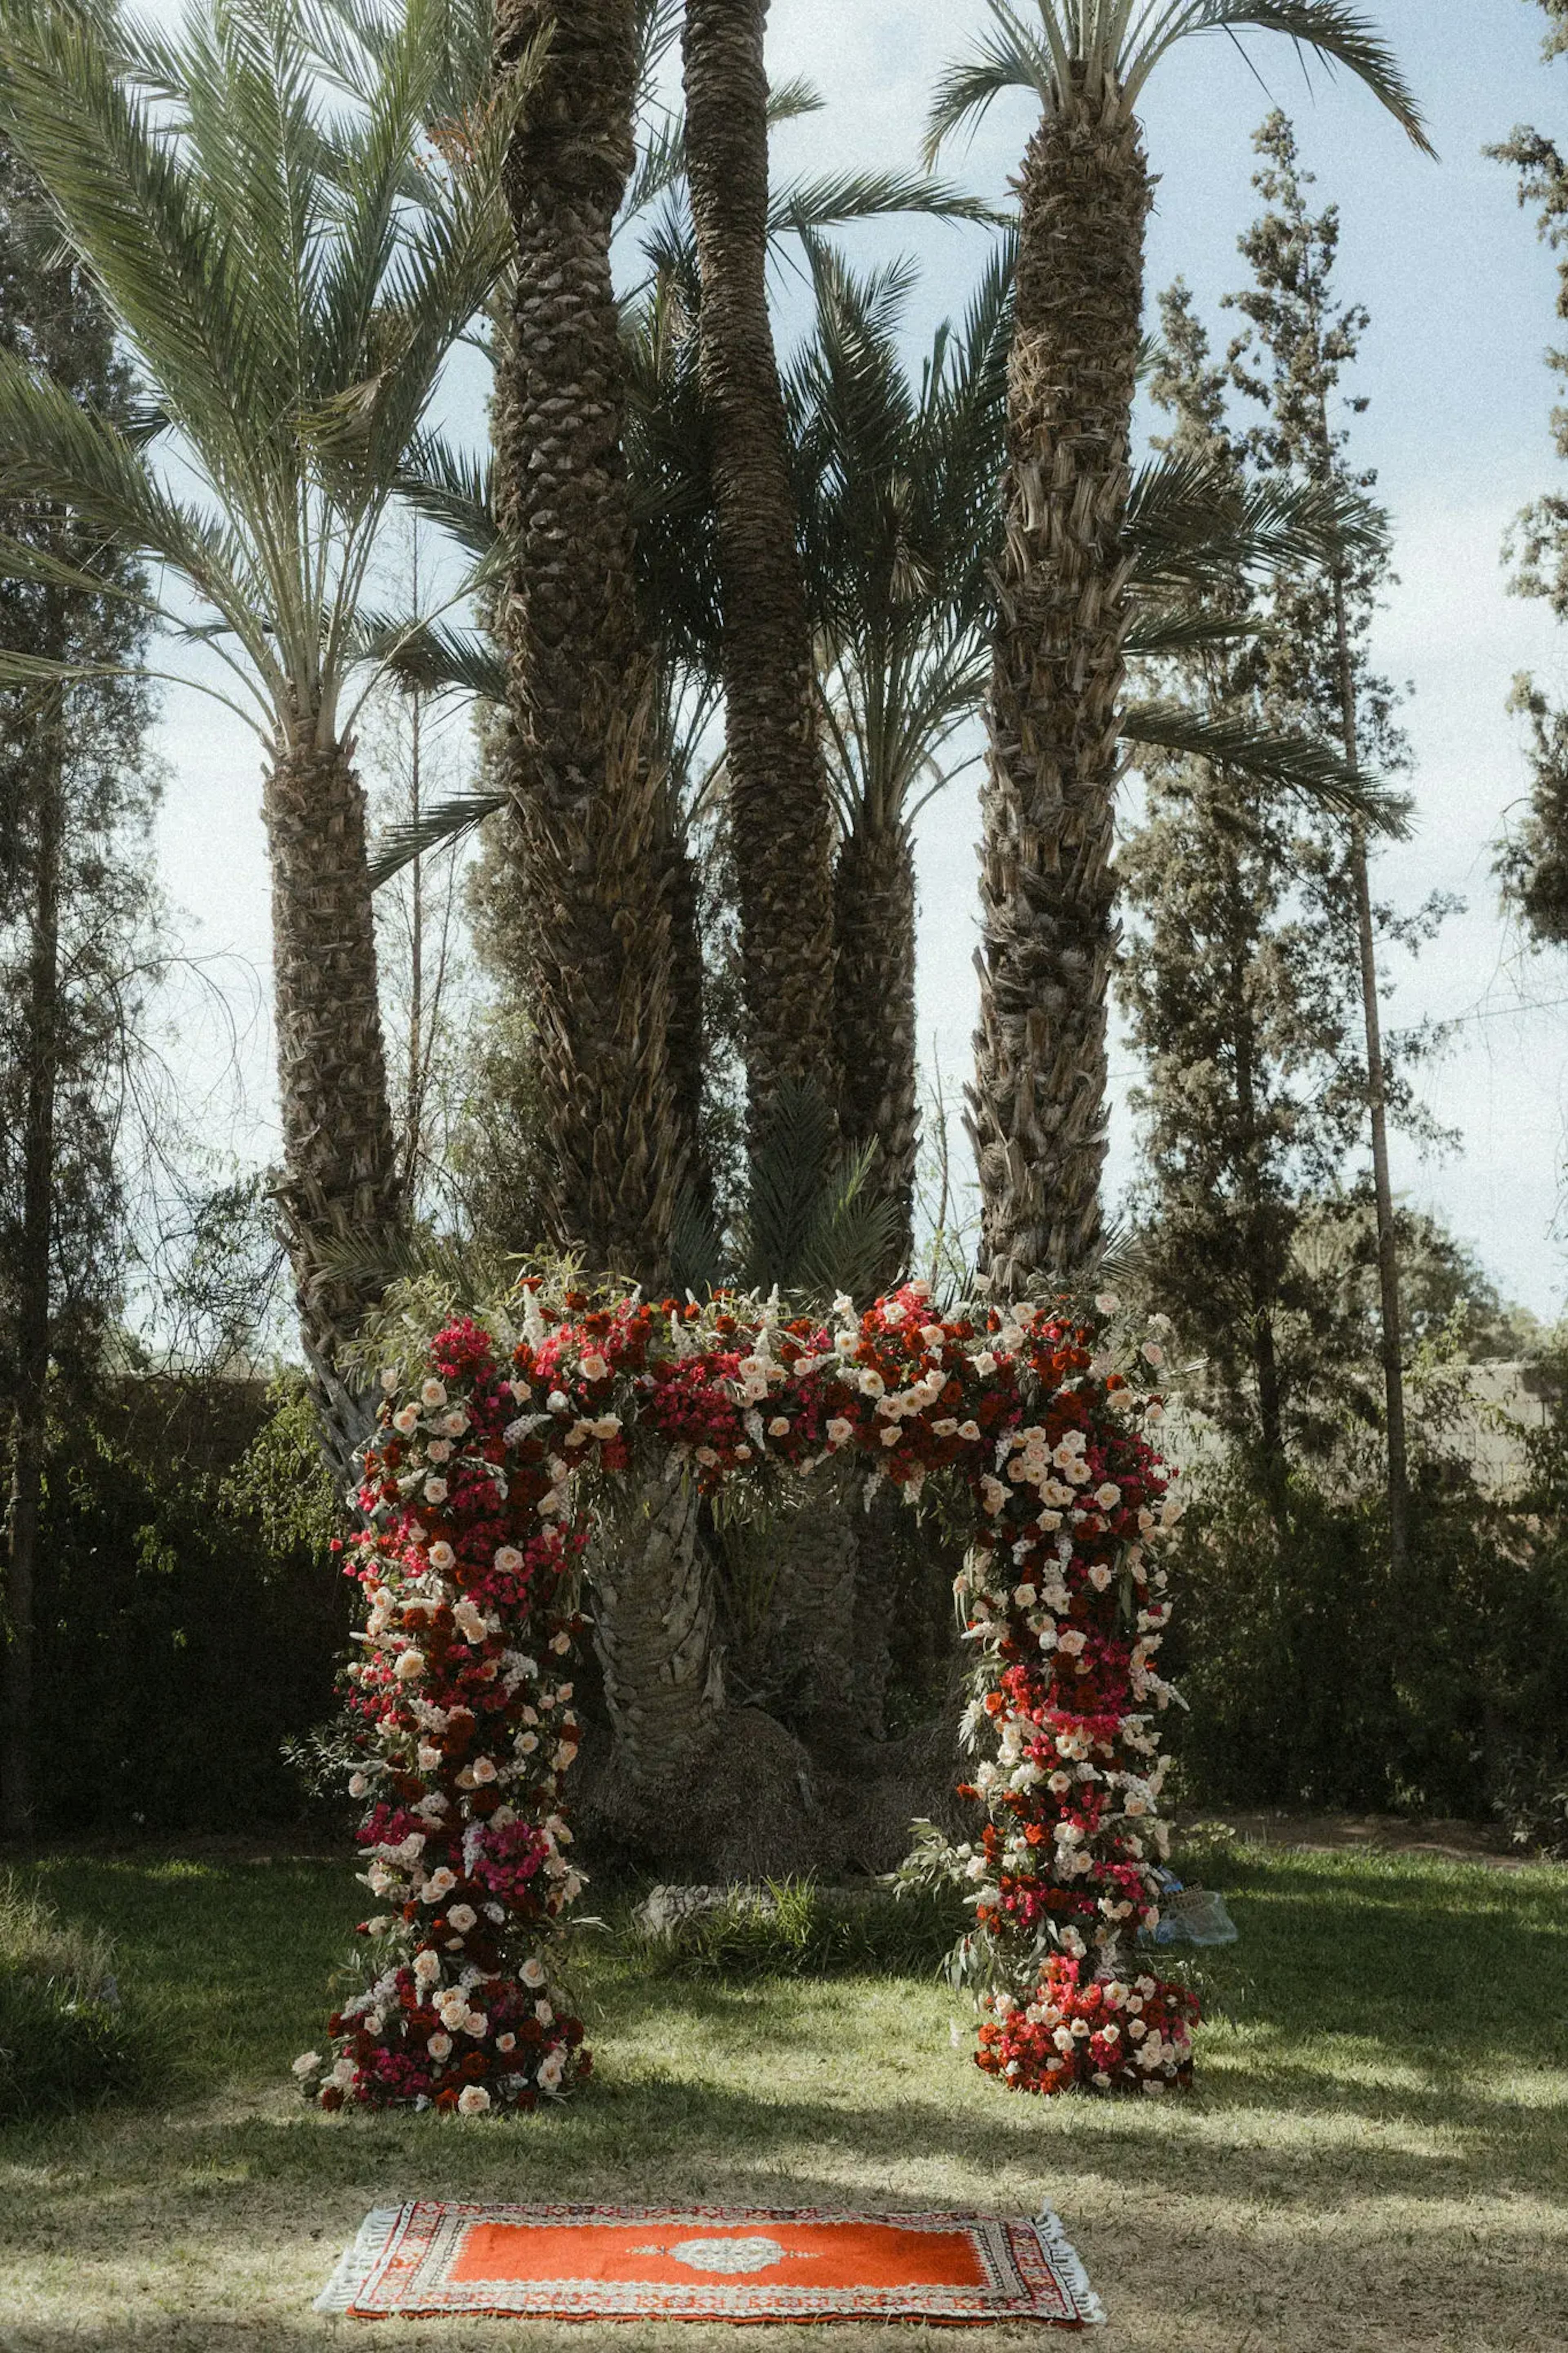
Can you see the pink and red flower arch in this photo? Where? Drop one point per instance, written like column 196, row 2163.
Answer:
column 474, row 1522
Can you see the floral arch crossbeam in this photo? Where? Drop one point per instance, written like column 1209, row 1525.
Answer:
column 476, row 1508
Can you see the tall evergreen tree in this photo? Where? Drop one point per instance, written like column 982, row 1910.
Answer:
column 1238, row 991
column 1302, row 339
column 75, row 792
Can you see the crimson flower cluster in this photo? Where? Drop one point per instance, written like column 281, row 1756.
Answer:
column 1101, row 2034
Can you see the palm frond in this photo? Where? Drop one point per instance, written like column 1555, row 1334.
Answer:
column 1157, row 636
column 451, row 488
column 787, row 1172
column 1009, row 58
column 432, row 657
column 833, row 199
column 52, row 449
column 1278, row 760
column 851, row 1234
column 441, row 827
column 1191, row 523
column 1336, row 33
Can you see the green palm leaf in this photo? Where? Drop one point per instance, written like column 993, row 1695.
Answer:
column 1083, row 50
column 1278, row 759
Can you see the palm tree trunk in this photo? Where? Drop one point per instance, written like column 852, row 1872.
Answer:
column 341, row 1188
column 32, row 1271
column 1037, row 1111
column 781, row 812
column 685, row 1013
column 582, row 682
column 663, row 1685
column 874, row 1016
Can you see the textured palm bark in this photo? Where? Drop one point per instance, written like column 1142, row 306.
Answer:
column 877, row 1580
column 686, row 1015
column 654, row 1630
column 341, row 1183
column 811, row 1618
column 874, row 1017
column 780, row 808
column 580, row 676
column 1037, row 1111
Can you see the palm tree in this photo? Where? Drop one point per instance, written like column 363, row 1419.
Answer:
column 584, row 788
column 1048, row 891
column 287, row 314
column 780, row 808
column 895, row 482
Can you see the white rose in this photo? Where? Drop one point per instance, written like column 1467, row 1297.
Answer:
column 551, row 2070
column 1153, row 1352
column 428, row 1756
column 985, row 1364
column 1108, row 1497
column 969, row 1432
column 442, row 1556
column 406, row 1420
column 532, row 1971
column 594, row 1368
column 483, row 1769
column 440, row 1883
column 462, row 1916
column 358, row 1784
column 410, row 1666
column 778, row 1426
column 433, row 1394
column 427, row 1966
column 389, row 1378
column 307, row 2063
column 473, row 2100
column 839, row 1431
column 506, row 2043
column 435, row 1491
column 509, row 1560
column 1108, row 1302
column 439, row 2046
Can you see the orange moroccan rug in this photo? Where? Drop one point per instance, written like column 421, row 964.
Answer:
column 426, row 2260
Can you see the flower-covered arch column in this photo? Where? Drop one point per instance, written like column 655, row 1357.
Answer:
column 476, row 1511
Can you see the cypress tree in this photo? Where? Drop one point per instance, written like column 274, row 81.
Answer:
column 1300, row 343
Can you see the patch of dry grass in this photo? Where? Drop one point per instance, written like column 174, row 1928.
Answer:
column 1378, row 2162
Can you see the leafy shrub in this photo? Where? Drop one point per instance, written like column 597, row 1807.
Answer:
column 68, row 2038
column 1315, row 1677
column 189, row 1615
column 796, row 1927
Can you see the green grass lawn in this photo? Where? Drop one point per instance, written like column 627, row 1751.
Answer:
column 1378, row 2156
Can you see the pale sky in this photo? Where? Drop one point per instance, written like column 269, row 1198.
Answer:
column 1461, row 297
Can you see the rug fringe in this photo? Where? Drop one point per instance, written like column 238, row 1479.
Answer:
column 356, row 2262
column 1069, row 2265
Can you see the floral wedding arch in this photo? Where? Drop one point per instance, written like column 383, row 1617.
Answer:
column 476, row 1511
